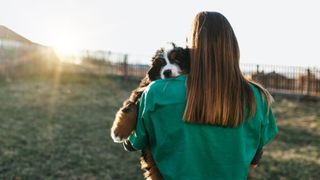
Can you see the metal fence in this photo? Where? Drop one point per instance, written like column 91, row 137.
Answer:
column 291, row 80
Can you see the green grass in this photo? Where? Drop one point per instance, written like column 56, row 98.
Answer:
column 59, row 128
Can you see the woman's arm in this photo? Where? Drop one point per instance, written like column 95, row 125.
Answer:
column 138, row 139
column 269, row 128
column 256, row 159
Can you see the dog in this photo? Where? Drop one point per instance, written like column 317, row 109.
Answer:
column 166, row 63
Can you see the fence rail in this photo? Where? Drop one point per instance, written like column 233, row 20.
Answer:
column 292, row 80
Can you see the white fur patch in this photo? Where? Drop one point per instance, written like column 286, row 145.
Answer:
column 175, row 69
column 115, row 138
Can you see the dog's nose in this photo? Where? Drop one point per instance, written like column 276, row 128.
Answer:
column 167, row 73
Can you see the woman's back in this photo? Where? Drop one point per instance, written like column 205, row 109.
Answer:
column 196, row 151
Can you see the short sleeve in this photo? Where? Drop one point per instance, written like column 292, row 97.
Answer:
column 138, row 139
column 269, row 128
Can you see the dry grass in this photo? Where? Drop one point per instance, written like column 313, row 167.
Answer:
column 295, row 154
column 58, row 128
column 51, row 130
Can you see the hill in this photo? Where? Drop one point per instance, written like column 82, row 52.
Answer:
column 8, row 34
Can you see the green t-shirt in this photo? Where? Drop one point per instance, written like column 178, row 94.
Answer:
column 192, row 151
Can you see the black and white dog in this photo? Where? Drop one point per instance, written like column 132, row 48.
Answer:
column 166, row 63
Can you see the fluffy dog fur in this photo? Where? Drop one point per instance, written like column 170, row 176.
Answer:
column 166, row 63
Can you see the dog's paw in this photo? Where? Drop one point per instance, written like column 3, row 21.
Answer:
column 115, row 138
column 124, row 123
column 117, row 129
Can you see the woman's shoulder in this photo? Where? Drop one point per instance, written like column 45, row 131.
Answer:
column 161, row 85
column 263, row 97
column 257, row 89
column 170, row 89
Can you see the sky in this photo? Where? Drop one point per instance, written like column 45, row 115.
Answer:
column 282, row 32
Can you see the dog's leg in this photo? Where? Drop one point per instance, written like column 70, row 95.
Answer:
column 125, row 122
column 126, row 118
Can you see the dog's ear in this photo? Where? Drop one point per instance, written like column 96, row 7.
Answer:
column 173, row 45
column 182, row 55
column 173, row 54
column 152, row 74
column 186, row 54
column 186, row 57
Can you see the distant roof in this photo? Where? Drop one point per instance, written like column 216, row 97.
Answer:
column 7, row 34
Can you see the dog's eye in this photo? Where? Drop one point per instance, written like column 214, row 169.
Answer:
column 172, row 55
column 161, row 61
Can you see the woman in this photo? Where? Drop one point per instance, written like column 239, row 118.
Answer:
column 210, row 123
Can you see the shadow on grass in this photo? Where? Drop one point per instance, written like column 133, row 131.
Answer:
column 272, row 168
column 295, row 136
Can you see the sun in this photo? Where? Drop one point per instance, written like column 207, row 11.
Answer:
column 65, row 45
column 64, row 48
column 65, row 41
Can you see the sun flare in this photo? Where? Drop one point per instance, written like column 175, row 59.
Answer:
column 65, row 46
column 65, row 41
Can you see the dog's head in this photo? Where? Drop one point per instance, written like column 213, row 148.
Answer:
column 169, row 62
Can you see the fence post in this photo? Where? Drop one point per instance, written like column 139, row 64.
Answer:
column 308, row 82
column 125, row 67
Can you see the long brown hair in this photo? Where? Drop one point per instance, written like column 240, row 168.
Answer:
column 217, row 92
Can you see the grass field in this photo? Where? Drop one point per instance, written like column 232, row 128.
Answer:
column 58, row 128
